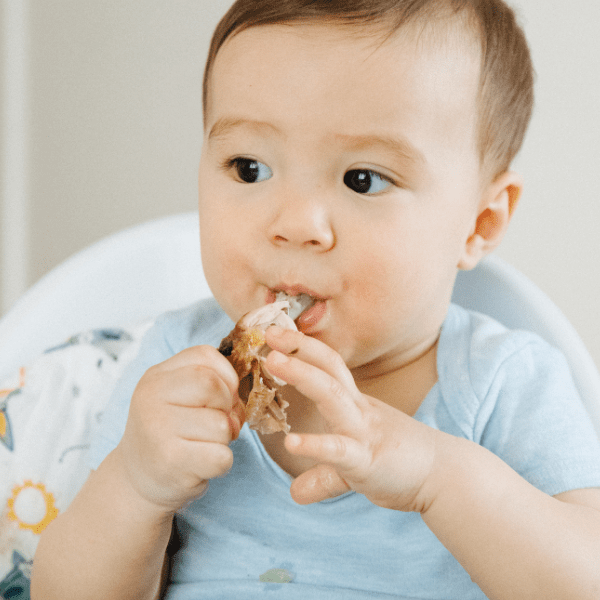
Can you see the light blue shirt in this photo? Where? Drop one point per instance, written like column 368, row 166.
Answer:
column 246, row 538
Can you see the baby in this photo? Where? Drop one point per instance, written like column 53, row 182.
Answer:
column 357, row 153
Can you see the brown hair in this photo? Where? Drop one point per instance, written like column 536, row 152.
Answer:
column 506, row 79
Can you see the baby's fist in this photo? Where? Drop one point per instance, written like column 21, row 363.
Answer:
column 184, row 413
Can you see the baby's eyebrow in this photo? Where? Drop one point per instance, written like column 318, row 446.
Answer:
column 399, row 147
column 225, row 125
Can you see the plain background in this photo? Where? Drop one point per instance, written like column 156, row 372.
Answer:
column 101, row 129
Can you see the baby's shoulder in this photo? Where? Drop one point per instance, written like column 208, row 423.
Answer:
column 482, row 346
column 203, row 322
column 481, row 363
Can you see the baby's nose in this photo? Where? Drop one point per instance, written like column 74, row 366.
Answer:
column 303, row 225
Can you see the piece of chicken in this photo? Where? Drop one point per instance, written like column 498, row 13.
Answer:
column 246, row 349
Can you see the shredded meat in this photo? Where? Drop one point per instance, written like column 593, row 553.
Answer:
column 246, row 349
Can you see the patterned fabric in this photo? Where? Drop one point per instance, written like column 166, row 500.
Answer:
column 48, row 412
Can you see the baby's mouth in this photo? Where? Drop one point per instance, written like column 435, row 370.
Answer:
column 298, row 304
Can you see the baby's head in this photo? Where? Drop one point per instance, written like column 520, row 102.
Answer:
column 505, row 92
column 358, row 152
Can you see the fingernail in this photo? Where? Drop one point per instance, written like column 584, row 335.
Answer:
column 293, row 440
column 235, row 425
column 276, row 331
column 278, row 358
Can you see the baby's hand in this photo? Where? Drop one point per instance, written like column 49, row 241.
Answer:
column 371, row 447
column 183, row 414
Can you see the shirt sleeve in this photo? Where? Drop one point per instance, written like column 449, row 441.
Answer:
column 533, row 418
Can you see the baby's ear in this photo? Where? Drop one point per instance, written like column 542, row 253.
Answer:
column 495, row 210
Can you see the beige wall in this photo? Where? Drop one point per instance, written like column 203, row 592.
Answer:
column 113, row 117
column 554, row 236
column 114, row 130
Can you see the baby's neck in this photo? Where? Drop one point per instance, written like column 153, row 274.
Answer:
column 404, row 388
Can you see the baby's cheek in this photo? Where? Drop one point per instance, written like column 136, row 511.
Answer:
column 362, row 323
column 373, row 286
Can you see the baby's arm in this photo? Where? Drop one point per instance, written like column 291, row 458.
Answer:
column 512, row 539
column 111, row 541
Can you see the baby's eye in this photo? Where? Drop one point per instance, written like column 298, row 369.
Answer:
column 250, row 170
column 365, row 181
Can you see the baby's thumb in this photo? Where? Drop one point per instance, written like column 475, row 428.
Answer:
column 319, row 483
column 237, row 417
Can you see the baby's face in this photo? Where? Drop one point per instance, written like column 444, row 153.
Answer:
column 346, row 169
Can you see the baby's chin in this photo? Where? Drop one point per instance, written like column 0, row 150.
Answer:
column 367, row 356
column 235, row 304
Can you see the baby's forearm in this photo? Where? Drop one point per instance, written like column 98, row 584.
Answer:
column 110, row 543
column 514, row 540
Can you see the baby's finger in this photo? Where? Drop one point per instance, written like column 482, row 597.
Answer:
column 344, row 453
column 208, row 459
column 319, row 483
column 311, row 351
column 203, row 425
column 237, row 417
column 203, row 356
column 334, row 401
column 198, row 386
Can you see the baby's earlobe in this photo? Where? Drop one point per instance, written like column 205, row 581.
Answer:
column 473, row 253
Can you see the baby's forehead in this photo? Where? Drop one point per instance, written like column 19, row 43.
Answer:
column 457, row 35
column 294, row 84
column 450, row 37
column 458, row 31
